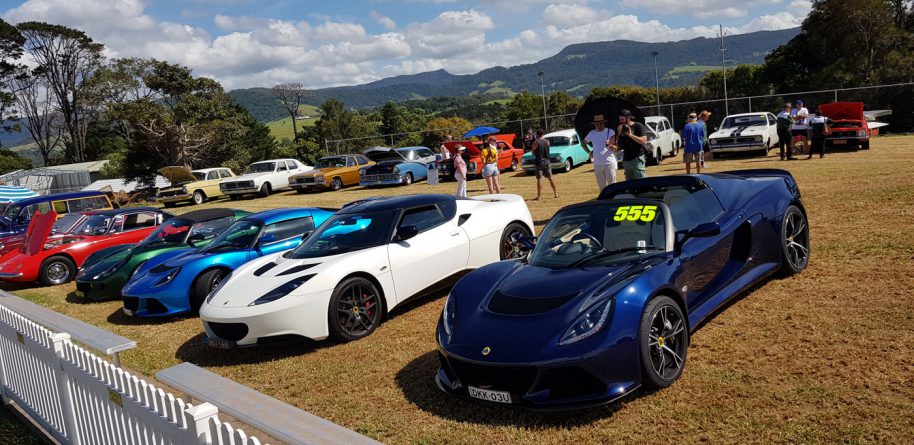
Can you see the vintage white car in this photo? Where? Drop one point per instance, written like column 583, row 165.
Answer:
column 746, row 132
column 668, row 140
column 263, row 177
column 360, row 264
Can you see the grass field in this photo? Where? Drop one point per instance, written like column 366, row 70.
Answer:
column 821, row 357
column 282, row 128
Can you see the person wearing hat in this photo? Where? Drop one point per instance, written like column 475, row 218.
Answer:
column 542, row 163
column 784, row 123
column 705, row 144
column 603, row 151
column 800, row 128
column 693, row 135
column 460, row 171
column 631, row 138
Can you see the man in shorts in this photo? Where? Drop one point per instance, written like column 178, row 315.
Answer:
column 542, row 163
column 603, row 151
column 800, row 128
column 693, row 139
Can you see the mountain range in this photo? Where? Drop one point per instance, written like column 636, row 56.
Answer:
column 576, row 69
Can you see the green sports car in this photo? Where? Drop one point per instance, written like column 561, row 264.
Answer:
column 104, row 273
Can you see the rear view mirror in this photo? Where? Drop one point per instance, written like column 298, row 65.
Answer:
column 406, row 232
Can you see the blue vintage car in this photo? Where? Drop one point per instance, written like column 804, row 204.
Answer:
column 15, row 218
column 607, row 299
column 565, row 152
column 177, row 281
column 395, row 166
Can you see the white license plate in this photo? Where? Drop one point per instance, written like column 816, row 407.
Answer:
column 80, row 294
column 489, row 395
column 839, row 142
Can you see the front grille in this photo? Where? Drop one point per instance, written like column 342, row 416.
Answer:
column 131, row 303
column 514, row 379
column 737, row 140
column 153, row 306
column 236, row 185
column 508, row 305
column 170, row 193
column 229, row 331
column 843, row 134
column 83, row 286
column 384, row 177
column 306, row 181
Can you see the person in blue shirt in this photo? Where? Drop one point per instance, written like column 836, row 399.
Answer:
column 693, row 136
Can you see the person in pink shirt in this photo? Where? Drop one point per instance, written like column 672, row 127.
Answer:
column 460, row 172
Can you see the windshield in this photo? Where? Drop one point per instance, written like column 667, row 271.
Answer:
column 330, row 163
column 11, row 212
column 346, row 233
column 65, row 223
column 239, row 235
column 600, row 234
column 744, row 121
column 558, row 141
column 173, row 231
column 199, row 175
column 93, row 225
column 261, row 167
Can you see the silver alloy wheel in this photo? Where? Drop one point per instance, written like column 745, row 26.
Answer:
column 336, row 183
column 57, row 273
column 796, row 237
column 667, row 342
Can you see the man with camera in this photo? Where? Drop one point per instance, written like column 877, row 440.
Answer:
column 631, row 138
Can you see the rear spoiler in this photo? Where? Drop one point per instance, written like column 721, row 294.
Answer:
column 759, row 173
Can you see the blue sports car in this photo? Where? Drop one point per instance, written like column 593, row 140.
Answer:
column 177, row 281
column 606, row 300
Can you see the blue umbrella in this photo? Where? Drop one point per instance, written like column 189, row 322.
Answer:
column 480, row 131
column 14, row 193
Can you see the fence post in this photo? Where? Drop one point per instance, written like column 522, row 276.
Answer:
column 199, row 425
column 836, row 95
column 3, row 398
column 750, row 104
column 67, row 409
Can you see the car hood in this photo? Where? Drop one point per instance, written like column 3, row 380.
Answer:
column 319, row 171
column 383, row 154
column 843, row 110
column 247, row 176
column 751, row 130
column 177, row 174
column 553, row 150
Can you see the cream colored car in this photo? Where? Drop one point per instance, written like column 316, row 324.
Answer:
column 195, row 186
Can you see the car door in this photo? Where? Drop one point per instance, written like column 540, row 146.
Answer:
column 437, row 252
column 211, row 184
column 350, row 175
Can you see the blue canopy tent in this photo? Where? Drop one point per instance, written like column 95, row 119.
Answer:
column 9, row 193
column 480, row 131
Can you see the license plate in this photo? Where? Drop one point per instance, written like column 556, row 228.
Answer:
column 839, row 142
column 80, row 294
column 489, row 395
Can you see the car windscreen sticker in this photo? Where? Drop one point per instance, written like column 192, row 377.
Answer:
column 645, row 213
column 642, row 244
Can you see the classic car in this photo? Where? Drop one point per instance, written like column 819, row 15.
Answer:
column 669, row 140
column 16, row 217
column 195, row 186
column 395, row 166
column 745, row 132
column 104, row 273
column 178, row 281
column 851, row 127
column 565, row 152
column 263, row 177
column 55, row 261
column 333, row 172
column 606, row 300
column 509, row 157
column 363, row 262
column 64, row 225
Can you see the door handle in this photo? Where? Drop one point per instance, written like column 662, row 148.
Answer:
column 455, row 233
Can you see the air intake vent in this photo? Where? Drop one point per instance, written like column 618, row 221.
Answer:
column 161, row 268
column 298, row 268
column 508, row 305
column 263, row 269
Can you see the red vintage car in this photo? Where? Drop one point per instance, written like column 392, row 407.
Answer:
column 508, row 155
column 52, row 260
column 64, row 225
column 850, row 127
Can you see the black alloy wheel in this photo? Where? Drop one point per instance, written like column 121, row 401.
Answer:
column 509, row 247
column 355, row 309
column 794, row 241
column 664, row 341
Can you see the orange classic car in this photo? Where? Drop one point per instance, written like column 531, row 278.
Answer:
column 333, row 172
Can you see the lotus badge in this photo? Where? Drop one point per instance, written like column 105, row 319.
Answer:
column 486, row 351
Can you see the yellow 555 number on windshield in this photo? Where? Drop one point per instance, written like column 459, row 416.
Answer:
column 635, row 213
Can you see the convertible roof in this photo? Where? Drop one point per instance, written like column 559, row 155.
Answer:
column 395, row 202
column 207, row 214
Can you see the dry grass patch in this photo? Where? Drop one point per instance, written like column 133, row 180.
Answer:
column 821, row 357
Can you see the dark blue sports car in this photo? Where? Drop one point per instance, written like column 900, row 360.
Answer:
column 607, row 298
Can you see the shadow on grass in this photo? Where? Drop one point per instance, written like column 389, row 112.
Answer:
column 119, row 318
column 73, row 299
column 196, row 351
column 417, row 380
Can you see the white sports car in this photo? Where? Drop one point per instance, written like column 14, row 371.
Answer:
column 745, row 132
column 360, row 264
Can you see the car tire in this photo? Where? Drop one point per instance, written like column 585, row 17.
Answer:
column 674, row 149
column 355, row 309
column 513, row 167
column 265, row 189
column 663, row 342
column 234, row 197
column 301, row 191
column 794, row 241
column 865, row 145
column 202, row 287
column 651, row 159
column 764, row 151
column 568, row 165
column 168, row 205
column 506, row 249
column 56, row 270
column 198, row 197
column 658, row 157
column 336, row 183
column 409, row 178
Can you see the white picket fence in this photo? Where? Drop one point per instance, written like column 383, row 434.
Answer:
column 82, row 399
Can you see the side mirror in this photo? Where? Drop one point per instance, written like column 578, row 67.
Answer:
column 406, row 232
column 195, row 237
column 305, row 235
column 703, row 230
column 523, row 243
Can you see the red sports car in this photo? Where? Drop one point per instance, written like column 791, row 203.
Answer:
column 54, row 260
column 64, row 225
column 508, row 155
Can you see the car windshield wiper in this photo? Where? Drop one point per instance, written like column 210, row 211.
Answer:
column 608, row 253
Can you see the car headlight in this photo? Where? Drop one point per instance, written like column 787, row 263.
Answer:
column 282, row 291
column 137, row 268
column 396, row 169
column 183, row 189
column 222, row 186
column 758, row 139
column 448, row 315
column 168, row 278
column 861, row 133
column 713, row 142
column 556, row 158
column 218, row 286
column 588, row 323
column 471, row 167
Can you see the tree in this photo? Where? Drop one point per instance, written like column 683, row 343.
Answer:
column 35, row 99
column 66, row 59
column 11, row 42
column 440, row 127
column 291, row 95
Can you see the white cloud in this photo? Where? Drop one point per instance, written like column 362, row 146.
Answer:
column 571, row 14
column 383, row 20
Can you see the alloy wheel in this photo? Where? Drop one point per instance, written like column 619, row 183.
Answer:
column 667, row 342
column 796, row 238
column 358, row 310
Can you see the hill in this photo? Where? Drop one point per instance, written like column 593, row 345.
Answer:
column 576, row 69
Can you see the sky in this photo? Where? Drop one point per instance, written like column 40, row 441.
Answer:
column 249, row 43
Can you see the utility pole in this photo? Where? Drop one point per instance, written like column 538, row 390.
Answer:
column 657, row 81
column 543, row 89
column 723, row 65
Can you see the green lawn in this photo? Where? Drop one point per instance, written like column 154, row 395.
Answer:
column 282, row 128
